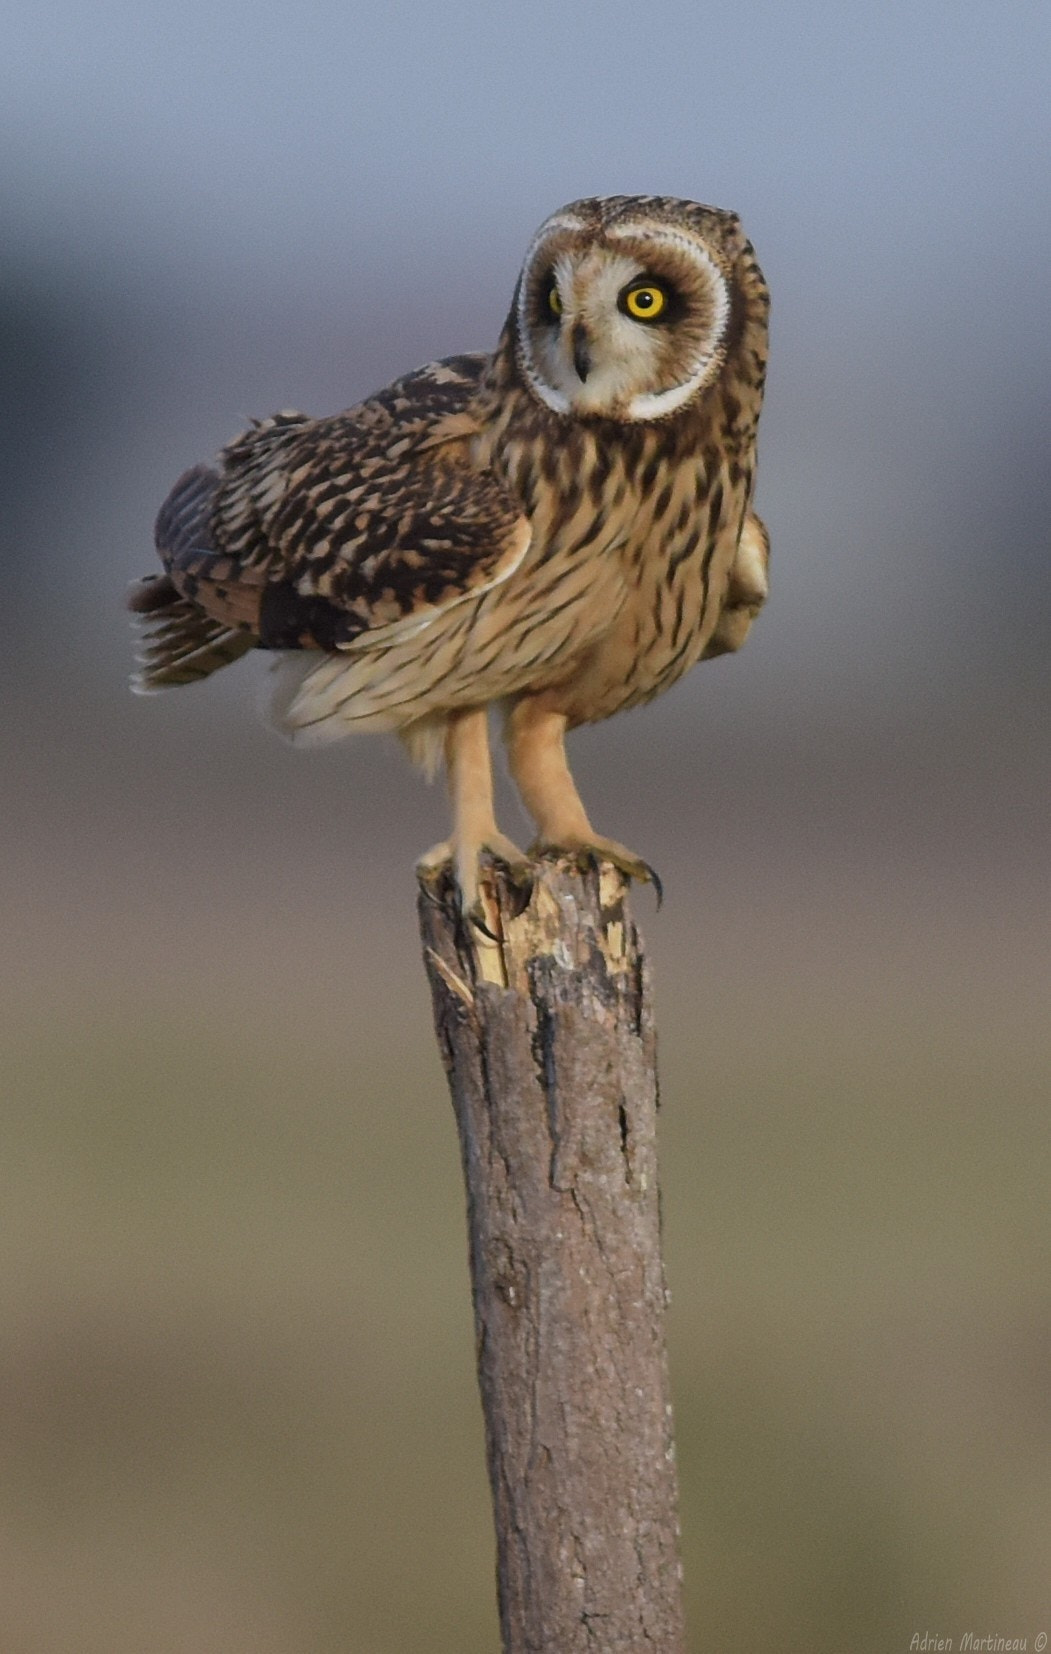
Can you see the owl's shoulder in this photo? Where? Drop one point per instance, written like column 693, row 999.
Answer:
column 409, row 415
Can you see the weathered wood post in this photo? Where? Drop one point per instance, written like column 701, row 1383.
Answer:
column 548, row 1041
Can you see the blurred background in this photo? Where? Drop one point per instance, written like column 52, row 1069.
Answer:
column 237, row 1399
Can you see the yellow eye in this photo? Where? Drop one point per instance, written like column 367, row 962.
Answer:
column 554, row 301
column 645, row 302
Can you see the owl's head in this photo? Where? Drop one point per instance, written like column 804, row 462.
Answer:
column 624, row 305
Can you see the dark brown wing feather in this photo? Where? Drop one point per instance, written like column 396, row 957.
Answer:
column 315, row 531
column 179, row 641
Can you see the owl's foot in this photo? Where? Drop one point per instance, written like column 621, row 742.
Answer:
column 475, row 835
column 536, row 733
column 594, row 848
column 467, row 864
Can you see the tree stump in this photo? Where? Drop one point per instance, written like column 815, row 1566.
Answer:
column 548, row 1041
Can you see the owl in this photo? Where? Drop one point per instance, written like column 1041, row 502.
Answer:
column 560, row 529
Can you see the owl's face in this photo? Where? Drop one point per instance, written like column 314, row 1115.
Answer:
column 623, row 306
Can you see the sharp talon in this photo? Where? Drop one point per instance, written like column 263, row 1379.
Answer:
column 655, row 880
column 477, row 920
column 520, row 894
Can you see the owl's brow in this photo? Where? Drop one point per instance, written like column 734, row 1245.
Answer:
column 565, row 221
column 637, row 227
column 552, row 226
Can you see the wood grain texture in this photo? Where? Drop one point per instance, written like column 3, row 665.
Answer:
column 548, row 1041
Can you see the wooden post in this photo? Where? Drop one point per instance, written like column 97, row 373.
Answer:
column 548, row 1041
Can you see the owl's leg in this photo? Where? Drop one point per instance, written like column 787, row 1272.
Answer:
column 537, row 755
column 475, row 832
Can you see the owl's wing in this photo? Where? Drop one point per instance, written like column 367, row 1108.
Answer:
column 336, row 533
column 746, row 590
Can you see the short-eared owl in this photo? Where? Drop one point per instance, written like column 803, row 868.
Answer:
column 563, row 527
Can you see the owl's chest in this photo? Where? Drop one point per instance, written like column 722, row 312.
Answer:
column 629, row 563
column 677, row 546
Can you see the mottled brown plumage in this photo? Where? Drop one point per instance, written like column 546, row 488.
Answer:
column 563, row 528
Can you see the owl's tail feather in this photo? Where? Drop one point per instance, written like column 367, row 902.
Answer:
column 178, row 642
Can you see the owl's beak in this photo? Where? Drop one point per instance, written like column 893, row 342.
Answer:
column 581, row 351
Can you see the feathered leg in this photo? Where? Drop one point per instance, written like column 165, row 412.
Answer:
column 470, row 773
column 537, row 755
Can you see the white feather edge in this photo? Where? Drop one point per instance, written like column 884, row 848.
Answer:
column 147, row 652
column 299, row 681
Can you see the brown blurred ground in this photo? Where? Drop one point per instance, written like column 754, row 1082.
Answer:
column 239, row 1408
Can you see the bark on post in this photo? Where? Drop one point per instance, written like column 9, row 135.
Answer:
column 549, row 1045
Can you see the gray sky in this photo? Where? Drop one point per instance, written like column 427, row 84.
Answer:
column 295, row 136
column 290, row 205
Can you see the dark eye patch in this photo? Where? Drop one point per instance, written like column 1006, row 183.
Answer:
column 649, row 299
column 546, row 303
